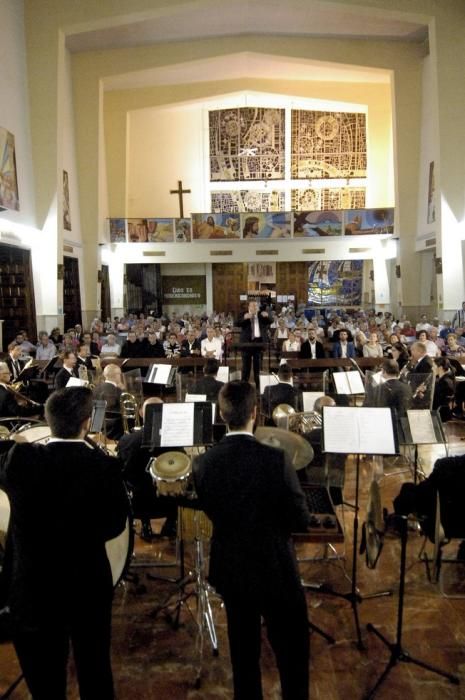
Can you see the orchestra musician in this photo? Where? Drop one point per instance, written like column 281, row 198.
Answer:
column 75, row 495
column 253, row 497
column 284, row 392
column 67, row 371
column 11, row 402
column 208, row 385
column 110, row 390
column 13, row 362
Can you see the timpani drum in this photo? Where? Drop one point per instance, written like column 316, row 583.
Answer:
column 171, row 473
column 39, row 433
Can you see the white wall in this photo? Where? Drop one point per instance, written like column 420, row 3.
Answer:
column 165, row 146
column 14, row 108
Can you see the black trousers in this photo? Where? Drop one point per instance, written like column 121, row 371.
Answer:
column 43, row 652
column 288, row 633
column 249, row 356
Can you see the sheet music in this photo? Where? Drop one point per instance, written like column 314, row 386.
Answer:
column 177, row 425
column 348, row 382
column 309, row 398
column 223, row 374
column 267, row 380
column 358, row 430
column 195, row 397
column 421, row 427
column 159, row 374
column 74, row 381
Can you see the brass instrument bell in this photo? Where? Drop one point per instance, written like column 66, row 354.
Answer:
column 129, row 412
column 281, row 413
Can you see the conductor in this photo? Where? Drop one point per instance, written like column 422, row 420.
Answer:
column 61, row 591
column 254, row 327
column 253, row 497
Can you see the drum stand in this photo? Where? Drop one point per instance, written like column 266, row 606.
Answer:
column 201, row 591
column 398, row 653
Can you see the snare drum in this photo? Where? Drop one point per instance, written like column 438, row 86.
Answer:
column 171, row 473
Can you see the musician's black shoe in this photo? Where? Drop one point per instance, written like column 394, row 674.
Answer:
column 146, row 532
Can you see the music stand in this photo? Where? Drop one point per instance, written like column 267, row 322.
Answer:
column 352, row 430
column 161, row 374
column 421, row 427
column 398, row 653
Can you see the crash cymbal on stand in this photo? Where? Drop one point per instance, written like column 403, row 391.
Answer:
column 299, row 451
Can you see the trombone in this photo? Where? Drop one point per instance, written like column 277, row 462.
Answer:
column 129, row 412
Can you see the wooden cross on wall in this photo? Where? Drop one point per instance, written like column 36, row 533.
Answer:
column 180, row 193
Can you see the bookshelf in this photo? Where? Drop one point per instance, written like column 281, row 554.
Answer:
column 17, row 304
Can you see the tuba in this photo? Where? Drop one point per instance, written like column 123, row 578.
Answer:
column 129, row 412
column 305, row 422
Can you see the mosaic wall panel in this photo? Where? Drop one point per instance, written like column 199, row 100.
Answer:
column 335, row 282
column 244, row 200
column 328, row 198
column 328, row 144
column 246, row 144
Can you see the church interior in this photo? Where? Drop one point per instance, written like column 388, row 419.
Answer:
column 178, row 160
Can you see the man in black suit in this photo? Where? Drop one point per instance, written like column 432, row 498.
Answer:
column 13, row 361
column 55, row 600
column 110, row 390
column 209, row 385
column 67, row 371
column 130, row 346
column 254, row 329
column 392, row 392
column 421, row 377
column 154, row 348
column 253, row 497
column 447, row 479
column 83, row 358
column 284, row 392
column 9, row 403
column 312, row 349
column 190, row 347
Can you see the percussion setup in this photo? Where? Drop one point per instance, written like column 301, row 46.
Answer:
column 171, row 474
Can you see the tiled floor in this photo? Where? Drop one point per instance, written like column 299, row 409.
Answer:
column 151, row 660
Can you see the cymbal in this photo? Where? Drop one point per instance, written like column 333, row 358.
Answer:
column 299, row 451
column 172, row 464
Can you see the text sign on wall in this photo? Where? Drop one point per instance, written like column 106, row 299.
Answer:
column 184, row 290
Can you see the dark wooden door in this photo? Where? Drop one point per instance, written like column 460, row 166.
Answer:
column 71, row 293
column 105, row 300
column 229, row 282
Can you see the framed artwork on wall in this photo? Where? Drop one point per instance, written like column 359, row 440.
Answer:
column 9, row 197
